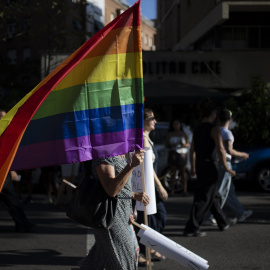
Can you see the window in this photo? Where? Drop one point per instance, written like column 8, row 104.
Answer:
column 26, row 53
column 150, row 42
column 226, row 38
column 239, row 37
column 146, row 39
column 243, row 37
column 253, row 37
column 26, row 25
column 265, row 37
column 119, row 11
column 12, row 55
column 112, row 16
column 10, row 1
column 77, row 24
column 11, row 29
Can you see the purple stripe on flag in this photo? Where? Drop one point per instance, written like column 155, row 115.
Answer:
column 77, row 149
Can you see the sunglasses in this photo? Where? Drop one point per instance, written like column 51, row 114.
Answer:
column 150, row 119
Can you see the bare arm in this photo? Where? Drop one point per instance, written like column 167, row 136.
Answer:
column 187, row 144
column 216, row 135
column 14, row 176
column 229, row 148
column 113, row 184
column 161, row 190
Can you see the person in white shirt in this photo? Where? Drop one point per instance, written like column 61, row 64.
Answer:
column 227, row 189
column 178, row 143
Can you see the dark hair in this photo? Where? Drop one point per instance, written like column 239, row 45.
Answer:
column 147, row 112
column 224, row 115
column 206, row 107
column 171, row 125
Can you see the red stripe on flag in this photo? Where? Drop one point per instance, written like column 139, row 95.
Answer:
column 11, row 137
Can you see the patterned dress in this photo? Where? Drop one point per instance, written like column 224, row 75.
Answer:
column 113, row 249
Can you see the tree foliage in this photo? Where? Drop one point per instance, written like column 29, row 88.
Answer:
column 50, row 23
column 251, row 112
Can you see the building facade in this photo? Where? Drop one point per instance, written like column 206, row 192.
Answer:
column 36, row 35
column 148, row 29
column 215, row 48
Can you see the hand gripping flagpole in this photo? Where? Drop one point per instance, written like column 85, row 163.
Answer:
column 147, row 249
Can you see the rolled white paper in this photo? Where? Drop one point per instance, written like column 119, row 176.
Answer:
column 171, row 249
column 149, row 183
column 168, row 239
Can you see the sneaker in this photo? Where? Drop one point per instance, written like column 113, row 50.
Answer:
column 231, row 222
column 195, row 234
column 245, row 215
column 210, row 222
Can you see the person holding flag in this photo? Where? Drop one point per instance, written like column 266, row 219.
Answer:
column 114, row 248
column 89, row 108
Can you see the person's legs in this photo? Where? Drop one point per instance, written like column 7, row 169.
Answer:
column 11, row 202
column 66, row 170
column 48, row 178
column 74, row 173
column 217, row 212
column 173, row 178
column 161, row 216
column 224, row 183
column 182, row 172
column 60, row 192
column 203, row 197
column 233, row 203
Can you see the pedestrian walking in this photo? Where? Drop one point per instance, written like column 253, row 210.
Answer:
column 114, row 248
column 206, row 148
column 155, row 221
column 231, row 201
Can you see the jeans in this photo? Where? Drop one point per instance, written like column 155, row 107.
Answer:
column 232, row 201
column 206, row 197
column 224, row 182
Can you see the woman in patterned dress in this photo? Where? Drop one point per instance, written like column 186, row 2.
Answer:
column 114, row 249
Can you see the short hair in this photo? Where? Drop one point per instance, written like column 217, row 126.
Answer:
column 224, row 115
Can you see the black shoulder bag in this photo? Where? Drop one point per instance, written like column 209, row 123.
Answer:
column 90, row 205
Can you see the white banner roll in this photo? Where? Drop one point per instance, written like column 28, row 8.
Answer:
column 171, row 249
column 149, row 183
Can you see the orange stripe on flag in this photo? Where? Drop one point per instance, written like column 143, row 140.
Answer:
column 5, row 167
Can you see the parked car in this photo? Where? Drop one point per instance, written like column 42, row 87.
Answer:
column 158, row 136
column 256, row 168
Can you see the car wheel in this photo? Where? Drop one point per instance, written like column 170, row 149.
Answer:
column 166, row 180
column 263, row 178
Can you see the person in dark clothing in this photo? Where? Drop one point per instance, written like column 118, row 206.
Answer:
column 206, row 149
column 11, row 202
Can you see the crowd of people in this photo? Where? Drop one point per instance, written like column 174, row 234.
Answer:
column 210, row 152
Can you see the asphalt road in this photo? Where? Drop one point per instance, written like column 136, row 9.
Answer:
column 58, row 244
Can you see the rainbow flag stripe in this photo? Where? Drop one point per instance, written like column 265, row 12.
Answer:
column 90, row 106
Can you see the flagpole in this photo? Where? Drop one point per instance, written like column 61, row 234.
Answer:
column 147, row 249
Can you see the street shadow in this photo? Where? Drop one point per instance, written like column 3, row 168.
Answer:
column 46, row 257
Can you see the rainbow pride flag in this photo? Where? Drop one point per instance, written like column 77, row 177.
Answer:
column 90, row 106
